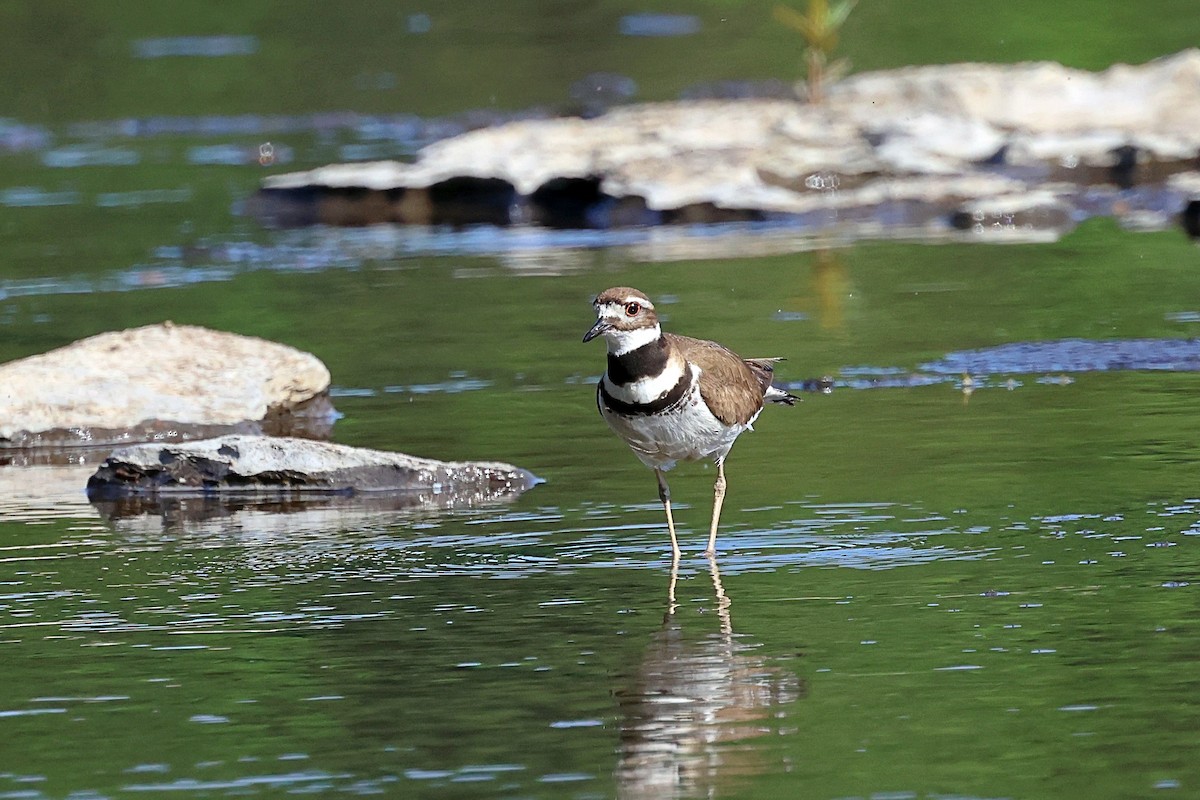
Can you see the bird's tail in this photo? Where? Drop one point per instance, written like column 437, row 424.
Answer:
column 776, row 395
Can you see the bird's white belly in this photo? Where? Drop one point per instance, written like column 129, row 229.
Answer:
column 686, row 432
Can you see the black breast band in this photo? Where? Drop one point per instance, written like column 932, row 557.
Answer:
column 649, row 359
column 655, row 406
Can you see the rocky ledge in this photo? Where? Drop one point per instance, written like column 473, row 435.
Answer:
column 157, row 383
column 283, row 468
column 983, row 148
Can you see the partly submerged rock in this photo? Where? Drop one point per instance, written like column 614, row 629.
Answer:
column 1045, row 362
column 288, row 468
column 1072, row 355
column 936, row 137
column 50, row 492
column 160, row 382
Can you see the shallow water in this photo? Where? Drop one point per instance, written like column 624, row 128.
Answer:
column 867, row 647
column 1003, row 609
column 976, row 579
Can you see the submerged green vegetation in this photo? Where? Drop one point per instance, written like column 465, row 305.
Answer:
column 819, row 27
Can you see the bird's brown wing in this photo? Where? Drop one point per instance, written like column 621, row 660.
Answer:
column 729, row 386
column 763, row 369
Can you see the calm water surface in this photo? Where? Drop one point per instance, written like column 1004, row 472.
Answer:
column 927, row 587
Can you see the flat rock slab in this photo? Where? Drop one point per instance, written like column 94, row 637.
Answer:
column 160, row 382
column 996, row 148
column 283, row 467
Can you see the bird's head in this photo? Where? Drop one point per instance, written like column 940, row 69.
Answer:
column 626, row 319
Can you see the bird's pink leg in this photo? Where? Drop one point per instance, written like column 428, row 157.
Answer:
column 718, row 501
column 664, row 494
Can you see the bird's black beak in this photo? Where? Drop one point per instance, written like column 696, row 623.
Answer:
column 601, row 326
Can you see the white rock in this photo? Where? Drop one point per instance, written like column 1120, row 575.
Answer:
column 122, row 382
column 930, row 122
column 1092, row 148
column 928, row 143
column 1186, row 182
column 1035, row 97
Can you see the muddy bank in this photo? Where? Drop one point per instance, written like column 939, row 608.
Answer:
column 1007, row 150
column 157, row 383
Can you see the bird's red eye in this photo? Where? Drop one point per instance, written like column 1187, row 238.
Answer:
column 632, row 309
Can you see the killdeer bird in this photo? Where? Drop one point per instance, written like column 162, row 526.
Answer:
column 673, row 398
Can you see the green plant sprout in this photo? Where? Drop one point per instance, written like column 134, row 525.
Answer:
column 819, row 27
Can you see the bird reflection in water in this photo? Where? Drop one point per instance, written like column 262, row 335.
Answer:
column 692, row 704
